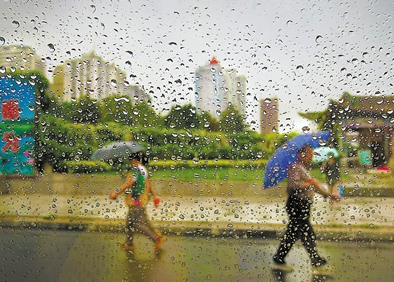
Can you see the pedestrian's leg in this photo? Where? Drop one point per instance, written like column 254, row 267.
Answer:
column 130, row 219
column 308, row 239
column 143, row 225
column 286, row 243
column 291, row 234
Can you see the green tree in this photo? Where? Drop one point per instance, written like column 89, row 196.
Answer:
column 209, row 123
column 182, row 117
column 116, row 109
column 84, row 110
column 144, row 115
column 231, row 121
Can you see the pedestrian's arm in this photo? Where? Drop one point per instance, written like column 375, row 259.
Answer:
column 127, row 184
column 319, row 188
column 156, row 200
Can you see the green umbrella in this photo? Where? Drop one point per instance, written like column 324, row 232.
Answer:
column 321, row 154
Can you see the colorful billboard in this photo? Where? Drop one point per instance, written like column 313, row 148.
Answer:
column 16, row 127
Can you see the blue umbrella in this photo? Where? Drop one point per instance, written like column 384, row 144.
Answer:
column 277, row 165
column 321, row 154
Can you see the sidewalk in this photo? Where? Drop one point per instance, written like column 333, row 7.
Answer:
column 355, row 218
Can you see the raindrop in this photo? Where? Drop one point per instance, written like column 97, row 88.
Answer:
column 128, row 63
column 172, row 43
column 365, row 55
column 51, row 47
column 169, row 60
column 130, row 52
column 306, row 129
column 15, row 24
column 318, row 39
column 113, row 82
column 2, row 69
column 299, row 67
column 322, row 142
column 2, row 41
column 93, row 7
column 289, row 22
column 218, row 112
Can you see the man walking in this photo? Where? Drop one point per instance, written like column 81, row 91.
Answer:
column 138, row 188
column 301, row 188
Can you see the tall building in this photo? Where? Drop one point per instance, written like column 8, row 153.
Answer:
column 20, row 58
column 217, row 88
column 91, row 75
column 269, row 115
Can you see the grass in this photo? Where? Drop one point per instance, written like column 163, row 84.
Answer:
column 228, row 174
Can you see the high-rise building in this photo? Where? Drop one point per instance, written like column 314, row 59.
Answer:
column 217, row 88
column 91, row 75
column 20, row 58
column 269, row 115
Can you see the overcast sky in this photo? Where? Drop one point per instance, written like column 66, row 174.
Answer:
column 302, row 53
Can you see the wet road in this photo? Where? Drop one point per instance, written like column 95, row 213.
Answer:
column 48, row 255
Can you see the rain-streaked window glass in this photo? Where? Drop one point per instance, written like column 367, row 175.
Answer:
column 205, row 141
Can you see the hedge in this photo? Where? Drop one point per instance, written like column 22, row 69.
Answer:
column 165, row 164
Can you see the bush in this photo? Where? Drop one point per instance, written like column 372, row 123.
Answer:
column 87, row 166
column 220, row 164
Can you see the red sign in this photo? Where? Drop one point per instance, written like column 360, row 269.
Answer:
column 10, row 109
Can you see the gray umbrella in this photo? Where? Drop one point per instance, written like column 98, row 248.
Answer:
column 116, row 150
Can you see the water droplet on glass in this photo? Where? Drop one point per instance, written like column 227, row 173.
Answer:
column 2, row 69
column 2, row 41
column 172, row 43
column 289, row 22
column 51, row 47
column 113, row 82
column 322, row 142
column 319, row 39
column 15, row 24
column 306, row 129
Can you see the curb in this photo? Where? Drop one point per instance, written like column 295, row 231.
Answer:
column 211, row 229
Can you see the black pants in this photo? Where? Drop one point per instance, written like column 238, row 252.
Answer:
column 299, row 227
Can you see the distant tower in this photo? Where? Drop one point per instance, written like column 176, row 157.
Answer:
column 216, row 88
column 269, row 115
